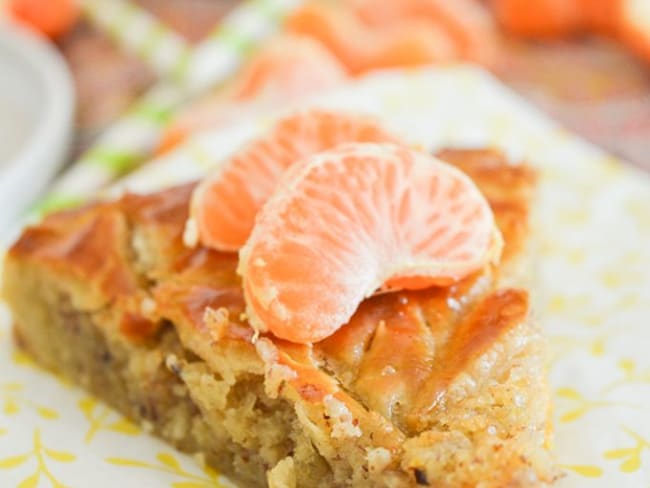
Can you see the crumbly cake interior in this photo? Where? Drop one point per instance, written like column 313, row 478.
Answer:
column 439, row 387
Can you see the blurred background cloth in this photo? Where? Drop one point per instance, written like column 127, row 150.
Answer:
column 591, row 86
column 109, row 79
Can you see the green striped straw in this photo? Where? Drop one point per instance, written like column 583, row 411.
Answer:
column 131, row 140
column 140, row 33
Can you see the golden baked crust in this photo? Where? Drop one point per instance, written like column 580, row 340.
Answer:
column 439, row 387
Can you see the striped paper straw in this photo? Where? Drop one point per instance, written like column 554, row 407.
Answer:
column 131, row 140
column 140, row 33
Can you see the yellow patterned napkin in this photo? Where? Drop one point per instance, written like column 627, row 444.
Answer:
column 593, row 296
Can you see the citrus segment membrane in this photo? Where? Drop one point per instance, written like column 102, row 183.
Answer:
column 224, row 205
column 357, row 219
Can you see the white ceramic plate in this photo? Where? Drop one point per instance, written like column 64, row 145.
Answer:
column 36, row 110
column 593, row 296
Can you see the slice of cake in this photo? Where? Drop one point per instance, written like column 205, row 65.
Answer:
column 438, row 387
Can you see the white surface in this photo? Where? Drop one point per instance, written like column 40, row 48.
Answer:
column 593, row 292
column 36, row 110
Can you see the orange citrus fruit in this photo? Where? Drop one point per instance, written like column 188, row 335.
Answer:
column 541, row 19
column 600, row 16
column 633, row 26
column 289, row 67
column 361, row 47
column 357, row 219
column 224, row 205
column 52, row 18
column 336, row 27
column 411, row 42
column 466, row 23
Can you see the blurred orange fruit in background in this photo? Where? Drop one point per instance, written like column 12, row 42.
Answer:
column 286, row 69
column 51, row 18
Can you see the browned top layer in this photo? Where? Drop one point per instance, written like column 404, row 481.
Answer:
column 396, row 356
column 508, row 188
column 88, row 245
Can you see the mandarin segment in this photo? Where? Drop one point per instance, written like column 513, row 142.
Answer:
column 225, row 204
column 466, row 24
column 366, row 34
column 288, row 68
column 354, row 220
column 362, row 47
column 541, row 19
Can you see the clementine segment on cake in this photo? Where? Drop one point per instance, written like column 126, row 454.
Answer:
column 225, row 204
column 354, row 220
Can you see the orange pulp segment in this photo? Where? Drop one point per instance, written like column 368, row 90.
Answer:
column 224, row 205
column 287, row 68
column 540, row 19
column 356, row 219
column 466, row 23
column 601, row 16
column 361, row 47
column 51, row 18
column 337, row 28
